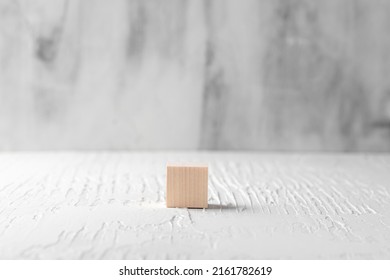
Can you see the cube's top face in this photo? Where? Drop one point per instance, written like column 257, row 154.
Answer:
column 188, row 165
column 187, row 186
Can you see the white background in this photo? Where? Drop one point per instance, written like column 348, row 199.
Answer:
column 302, row 270
column 230, row 74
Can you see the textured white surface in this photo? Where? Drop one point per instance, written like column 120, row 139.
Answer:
column 112, row 205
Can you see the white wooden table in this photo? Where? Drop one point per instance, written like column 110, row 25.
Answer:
column 112, row 206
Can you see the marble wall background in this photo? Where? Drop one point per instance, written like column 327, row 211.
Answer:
column 192, row 74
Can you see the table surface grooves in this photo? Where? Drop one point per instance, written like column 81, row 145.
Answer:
column 111, row 205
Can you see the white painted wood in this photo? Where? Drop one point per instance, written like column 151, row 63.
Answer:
column 112, row 206
column 132, row 74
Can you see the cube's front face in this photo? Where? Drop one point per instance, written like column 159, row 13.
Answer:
column 187, row 186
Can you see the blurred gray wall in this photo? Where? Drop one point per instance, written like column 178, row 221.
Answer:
column 176, row 74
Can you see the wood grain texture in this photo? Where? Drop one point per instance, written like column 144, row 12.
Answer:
column 112, row 206
column 230, row 74
column 187, row 186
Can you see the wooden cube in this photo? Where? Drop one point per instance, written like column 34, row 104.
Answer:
column 187, row 186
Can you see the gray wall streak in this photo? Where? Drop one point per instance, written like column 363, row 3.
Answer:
column 223, row 74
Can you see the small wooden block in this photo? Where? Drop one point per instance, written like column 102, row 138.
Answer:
column 187, row 186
